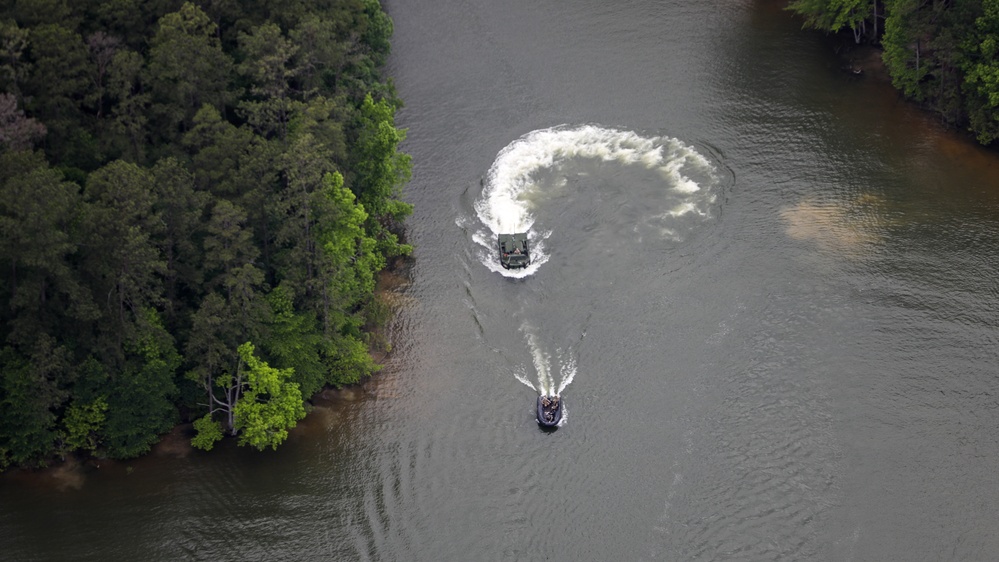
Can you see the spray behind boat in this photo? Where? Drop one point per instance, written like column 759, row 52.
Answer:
column 537, row 166
column 549, row 398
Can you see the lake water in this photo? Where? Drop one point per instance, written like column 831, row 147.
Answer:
column 765, row 287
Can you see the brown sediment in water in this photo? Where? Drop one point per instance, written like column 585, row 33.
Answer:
column 867, row 60
column 953, row 141
column 392, row 284
column 831, row 226
column 67, row 475
column 175, row 444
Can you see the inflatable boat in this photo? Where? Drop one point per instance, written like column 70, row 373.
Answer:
column 550, row 410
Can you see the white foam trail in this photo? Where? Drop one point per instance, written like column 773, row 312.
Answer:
column 683, row 209
column 522, row 377
column 568, row 372
column 506, row 203
column 541, row 361
column 543, row 366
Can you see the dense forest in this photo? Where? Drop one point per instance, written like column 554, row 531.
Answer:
column 195, row 200
column 941, row 53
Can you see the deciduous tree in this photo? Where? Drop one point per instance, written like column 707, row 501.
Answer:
column 835, row 15
column 271, row 403
column 380, row 171
column 982, row 74
column 141, row 390
column 265, row 403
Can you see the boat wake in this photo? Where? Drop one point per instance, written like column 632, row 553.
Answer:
column 544, row 365
column 540, row 162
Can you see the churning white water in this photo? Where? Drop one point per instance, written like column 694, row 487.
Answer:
column 514, row 182
column 544, row 366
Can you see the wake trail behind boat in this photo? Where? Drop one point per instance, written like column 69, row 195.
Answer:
column 544, row 365
column 522, row 377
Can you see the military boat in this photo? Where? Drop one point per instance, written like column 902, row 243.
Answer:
column 549, row 410
column 514, row 250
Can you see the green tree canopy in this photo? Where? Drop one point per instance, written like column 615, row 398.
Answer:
column 171, row 188
column 833, row 15
column 187, row 69
column 271, row 403
column 982, row 73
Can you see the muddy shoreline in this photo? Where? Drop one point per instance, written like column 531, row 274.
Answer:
column 864, row 62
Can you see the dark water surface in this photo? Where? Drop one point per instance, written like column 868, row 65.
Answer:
column 798, row 365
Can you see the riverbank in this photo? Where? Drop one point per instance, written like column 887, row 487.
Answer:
column 862, row 60
column 866, row 61
column 70, row 472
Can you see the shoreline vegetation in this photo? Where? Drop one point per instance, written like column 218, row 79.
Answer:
column 941, row 54
column 198, row 200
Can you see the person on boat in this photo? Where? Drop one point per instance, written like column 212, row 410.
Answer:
column 544, row 401
column 555, row 402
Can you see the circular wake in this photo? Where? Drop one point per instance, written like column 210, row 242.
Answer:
column 542, row 161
